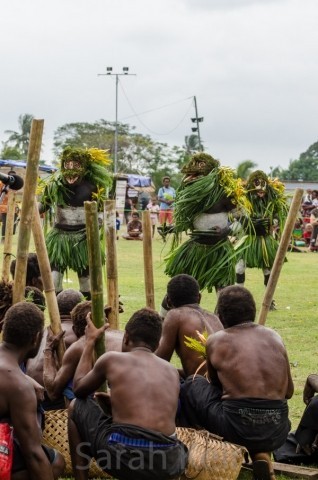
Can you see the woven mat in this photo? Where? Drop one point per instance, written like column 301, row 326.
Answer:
column 209, row 457
column 55, row 436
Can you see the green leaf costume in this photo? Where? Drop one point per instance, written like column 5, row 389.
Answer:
column 207, row 194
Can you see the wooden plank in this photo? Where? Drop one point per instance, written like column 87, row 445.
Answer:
column 291, row 471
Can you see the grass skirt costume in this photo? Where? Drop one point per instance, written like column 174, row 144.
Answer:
column 201, row 208
column 259, row 244
column 83, row 177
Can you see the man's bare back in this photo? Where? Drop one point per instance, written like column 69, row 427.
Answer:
column 183, row 322
column 144, row 389
column 144, row 392
column 22, row 333
column 249, row 360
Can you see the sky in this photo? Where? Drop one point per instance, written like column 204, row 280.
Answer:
column 251, row 65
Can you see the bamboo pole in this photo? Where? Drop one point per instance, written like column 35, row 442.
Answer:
column 148, row 263
column 95, row 271
column 111, row 263
column 24, row 235
column 7, row 247
column 280, row 255
column 46, row 275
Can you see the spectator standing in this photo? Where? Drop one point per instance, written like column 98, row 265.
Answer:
column 4, row 210
column 153, row 208
column 144, row 199
column 127, row 209
column 166, row 196
column 117, row 225
column 314, row 234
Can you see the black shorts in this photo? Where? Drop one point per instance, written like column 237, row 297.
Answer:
column 260, row 425
column 126, row 451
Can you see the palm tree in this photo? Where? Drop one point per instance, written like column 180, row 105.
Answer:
column 244, row 168
column 21, row 139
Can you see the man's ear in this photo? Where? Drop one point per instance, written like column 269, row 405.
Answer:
column 125, row 338
column 38, row 338
column 168, row 302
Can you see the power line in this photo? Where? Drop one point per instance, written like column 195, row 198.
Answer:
column 145, row 126
column 158, row 108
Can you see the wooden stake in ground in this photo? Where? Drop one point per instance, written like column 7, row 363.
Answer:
column 280, row 255
column 7, row 247
column 95, row 271
column 148, row 262
column 111, row 263
column 28, row 197
column 46, row 275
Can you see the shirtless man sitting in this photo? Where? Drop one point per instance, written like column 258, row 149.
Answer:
column 139, row 440
column 58, row 382
column 183, row 320
column 66, row 301
column 248, row 367
column 22, row 333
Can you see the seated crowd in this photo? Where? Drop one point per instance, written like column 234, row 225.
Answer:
column 237, row 388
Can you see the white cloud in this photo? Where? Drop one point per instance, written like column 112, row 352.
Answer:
column 251, row 65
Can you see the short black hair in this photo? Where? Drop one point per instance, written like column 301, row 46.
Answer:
column 182, row 290
column 33, row 269
column 235, row 305
column 36, row 296
column 67, row 300
column 22, row 322
column 78, row 316
column 145, row 326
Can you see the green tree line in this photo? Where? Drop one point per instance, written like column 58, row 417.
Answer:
column 140, row 154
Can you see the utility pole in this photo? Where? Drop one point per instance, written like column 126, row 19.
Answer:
column 197, row 120
column 109, row 72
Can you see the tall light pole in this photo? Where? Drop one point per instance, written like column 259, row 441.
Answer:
column 197, row 120
column 109, row 71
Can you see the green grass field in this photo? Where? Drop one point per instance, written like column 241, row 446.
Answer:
column 296, row 298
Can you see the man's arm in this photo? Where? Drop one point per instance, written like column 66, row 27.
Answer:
column 290, row 385
column 22, row 404
column 56, row 380
column 169, row 336
column 311, row 387
column 160, row 195
column 212, row 372
column 86, row 380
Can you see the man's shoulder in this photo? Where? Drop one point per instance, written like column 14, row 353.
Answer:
column 13, row 381
column 75, row 348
